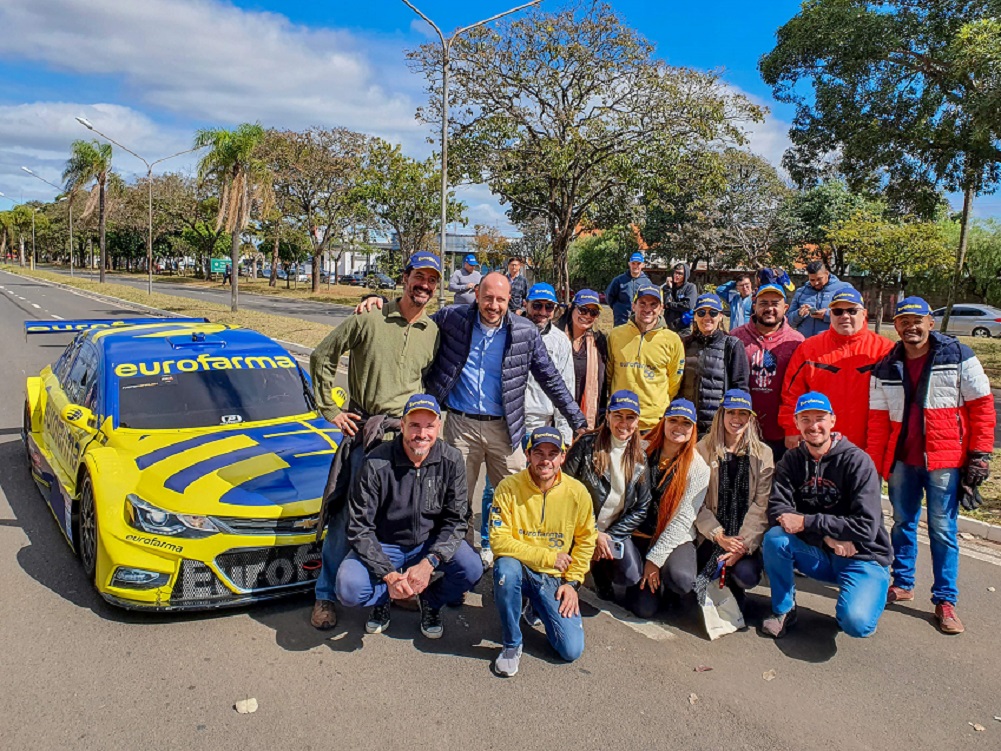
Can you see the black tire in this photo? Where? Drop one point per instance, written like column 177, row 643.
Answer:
column 981, row 333
column 87, row 529
column 27, row 432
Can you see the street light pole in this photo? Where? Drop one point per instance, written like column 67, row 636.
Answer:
column 446, row 49
column 67, row 197
column 149, row 183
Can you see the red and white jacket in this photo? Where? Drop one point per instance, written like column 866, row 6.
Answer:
column 958, row 406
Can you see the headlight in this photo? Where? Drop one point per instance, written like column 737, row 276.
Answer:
column 148, row 518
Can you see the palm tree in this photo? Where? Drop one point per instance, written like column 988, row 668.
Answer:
column 91, row 161
column 233, row 161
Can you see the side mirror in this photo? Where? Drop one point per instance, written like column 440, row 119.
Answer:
column 79, row 417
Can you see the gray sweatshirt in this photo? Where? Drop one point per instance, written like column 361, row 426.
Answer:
column 458, row 283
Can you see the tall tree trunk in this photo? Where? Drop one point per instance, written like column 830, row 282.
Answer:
column 879, row 307
column 316, row 272
column 102, row 217
column 21, row 237
column 273, row 281
column 964, row 228
column 561, row 264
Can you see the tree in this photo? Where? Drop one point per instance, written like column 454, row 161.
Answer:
column 906, row 92
column 318, row 176
column 568, row 116
column 233, row 162
column 90, row 161
column 889, row 250
column 402, row 194
column 808, row 215
column 489, row 245
column 598, row 258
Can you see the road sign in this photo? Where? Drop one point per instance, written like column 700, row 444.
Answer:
column 219, row 265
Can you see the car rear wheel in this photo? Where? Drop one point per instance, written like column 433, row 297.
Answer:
column 87, row 528
column 980, row 331
column 27, row 432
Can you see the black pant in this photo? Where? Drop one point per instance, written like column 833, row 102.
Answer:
column 625, row 572
column 677, row 575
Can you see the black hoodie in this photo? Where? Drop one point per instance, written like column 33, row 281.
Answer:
column 839, row 495
column 678, row 301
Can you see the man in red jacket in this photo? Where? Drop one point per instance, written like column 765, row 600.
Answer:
column 837, row 363
column 769, row 341
column 931, row 431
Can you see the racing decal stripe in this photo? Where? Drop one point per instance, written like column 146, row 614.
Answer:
column 148, row 460
column 180, row 481
column 223, row 482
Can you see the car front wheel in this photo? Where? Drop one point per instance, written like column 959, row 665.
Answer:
column 980, row 331
column 87, row 528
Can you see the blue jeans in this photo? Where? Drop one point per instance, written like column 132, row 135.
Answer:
column 513, row 581
column 335, row 544
column 862, row 584
column 488, row 501
column 356, row 587
column 907, row 486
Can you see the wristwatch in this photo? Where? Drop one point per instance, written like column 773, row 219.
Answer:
column 574, row 584
column 433, row 559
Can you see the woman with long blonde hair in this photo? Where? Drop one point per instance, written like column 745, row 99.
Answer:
column 679, row 477
column 733, row 520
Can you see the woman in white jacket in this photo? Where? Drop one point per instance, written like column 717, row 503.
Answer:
column 679, row 477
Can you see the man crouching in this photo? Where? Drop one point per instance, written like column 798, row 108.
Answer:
column 407, row 518
column 543, row 536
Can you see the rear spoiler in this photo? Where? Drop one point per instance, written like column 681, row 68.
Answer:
column 86, row 324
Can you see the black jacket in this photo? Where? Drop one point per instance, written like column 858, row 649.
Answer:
column 396, row 503
column 839, row 495
column 713, row 365
column 580, row 465
column 678, row 301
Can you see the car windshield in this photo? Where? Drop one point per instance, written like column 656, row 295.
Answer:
column 209, row 398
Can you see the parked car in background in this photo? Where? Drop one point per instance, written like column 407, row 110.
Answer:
column 379, row 281
column 970, row 320
column 355, row 280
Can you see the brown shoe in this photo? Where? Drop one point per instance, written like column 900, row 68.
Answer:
column 947, row 620
column 324, row 616
column 899, row 594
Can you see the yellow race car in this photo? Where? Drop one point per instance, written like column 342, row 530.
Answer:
column 184, row 461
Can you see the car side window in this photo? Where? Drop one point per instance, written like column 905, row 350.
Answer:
column 977, row 313
column 82, row 379
column 62, row 367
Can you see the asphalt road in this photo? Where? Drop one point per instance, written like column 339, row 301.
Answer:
column 328, row 313
column 77, row 673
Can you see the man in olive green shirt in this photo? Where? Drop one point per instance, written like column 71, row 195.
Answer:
column 390, row 349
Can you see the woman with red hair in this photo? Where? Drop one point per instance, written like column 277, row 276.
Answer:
column 679, row 478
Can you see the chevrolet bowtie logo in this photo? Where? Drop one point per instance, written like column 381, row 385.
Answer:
column 306, row 524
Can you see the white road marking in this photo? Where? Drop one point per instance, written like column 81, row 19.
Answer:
column 36, row 305
column 58, row 318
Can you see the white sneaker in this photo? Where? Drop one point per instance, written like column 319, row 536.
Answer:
column 487, row 557
column 507, row 661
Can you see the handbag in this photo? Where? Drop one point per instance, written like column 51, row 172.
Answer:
column 720, row 612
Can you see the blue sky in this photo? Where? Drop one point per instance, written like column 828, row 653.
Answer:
column 149, row 72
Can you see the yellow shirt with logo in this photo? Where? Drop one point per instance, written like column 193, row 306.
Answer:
column 650, row 364
column 534, row 527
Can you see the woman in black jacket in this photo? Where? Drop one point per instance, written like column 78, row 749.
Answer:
column 590, row 353
column 611, row 463
column 715, row 362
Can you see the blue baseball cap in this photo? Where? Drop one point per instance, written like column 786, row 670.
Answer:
column 424, row 260
column 813, row 400
column 848, row 296
column 624, row 399
column 587, row 297
column 541, row 291
column 771, row 288
column 681, row 408
column 649, row 290
column 912, row 306
column 422, row 401
column 471, row 260
column 545, row 434
column 709, row 300
column 637, row 257
column 737, row 399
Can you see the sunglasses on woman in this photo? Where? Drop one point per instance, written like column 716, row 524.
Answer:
column 704, row 312
column 589, row 312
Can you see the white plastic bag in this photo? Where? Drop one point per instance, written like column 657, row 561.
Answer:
column 721, row 612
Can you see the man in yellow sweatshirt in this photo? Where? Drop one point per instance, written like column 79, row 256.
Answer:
column 542, row 534
column 646, row 357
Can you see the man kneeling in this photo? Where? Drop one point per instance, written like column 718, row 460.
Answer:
column 826, row 506
column 407, row 517
column 538, row 518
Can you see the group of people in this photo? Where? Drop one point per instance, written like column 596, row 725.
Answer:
column 667, row 459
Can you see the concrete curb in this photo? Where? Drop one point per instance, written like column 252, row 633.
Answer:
column 964, row 524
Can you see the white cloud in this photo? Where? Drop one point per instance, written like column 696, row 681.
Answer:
column 769, row 138
column 210, row 61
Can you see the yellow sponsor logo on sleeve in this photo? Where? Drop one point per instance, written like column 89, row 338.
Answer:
column 200, row 363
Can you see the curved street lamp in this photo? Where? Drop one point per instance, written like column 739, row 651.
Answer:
column 64, row 198
column 149, row 182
